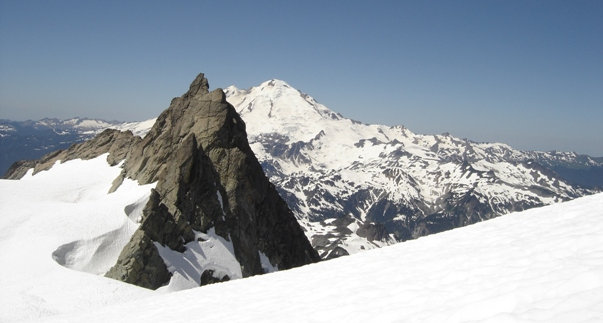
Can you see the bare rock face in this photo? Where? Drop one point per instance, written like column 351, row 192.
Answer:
column 207, row 178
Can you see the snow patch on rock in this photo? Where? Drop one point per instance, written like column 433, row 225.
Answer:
column 209, row 251
column 266, row 264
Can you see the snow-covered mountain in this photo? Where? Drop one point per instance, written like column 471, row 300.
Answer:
column 356, row 186
column 59, row 228
column 27, row 140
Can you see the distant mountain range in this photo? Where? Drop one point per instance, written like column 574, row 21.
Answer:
column 355, row 186
column 28, row 140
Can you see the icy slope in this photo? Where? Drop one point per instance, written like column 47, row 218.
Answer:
column 356, row 186
column 540, row 265
column 59, row 230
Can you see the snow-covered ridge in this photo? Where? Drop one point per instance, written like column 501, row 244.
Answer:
column 79, row 123
column 95, row 126
column 138, row 128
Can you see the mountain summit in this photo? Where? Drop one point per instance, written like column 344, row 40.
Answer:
column 208, row 180
column 276, row 107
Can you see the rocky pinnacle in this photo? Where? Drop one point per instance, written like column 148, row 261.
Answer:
column 207, row 177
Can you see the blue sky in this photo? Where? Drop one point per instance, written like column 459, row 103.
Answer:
column 527, row 73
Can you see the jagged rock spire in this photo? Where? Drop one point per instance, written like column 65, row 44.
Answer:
column 200, row 86
column 207, row 179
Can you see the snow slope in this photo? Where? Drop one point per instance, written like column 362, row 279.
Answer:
column 540, row 265
column 60, row 230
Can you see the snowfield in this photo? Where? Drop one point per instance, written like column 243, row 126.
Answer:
column 61, row 219
column 59, row 229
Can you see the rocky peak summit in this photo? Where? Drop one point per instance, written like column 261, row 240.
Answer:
column 199, row 86
column 208, row 180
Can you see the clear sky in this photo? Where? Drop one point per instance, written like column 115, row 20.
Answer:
column 527, row 73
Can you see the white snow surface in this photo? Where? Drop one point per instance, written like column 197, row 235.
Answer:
column 59, row 232
column 138, row 128
column 209, row 251
column 266, row 264
column 88, row 123
column 540, row 265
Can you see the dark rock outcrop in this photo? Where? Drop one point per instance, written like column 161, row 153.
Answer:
column 143, row 266
column 208, row 277
column 207, row 177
